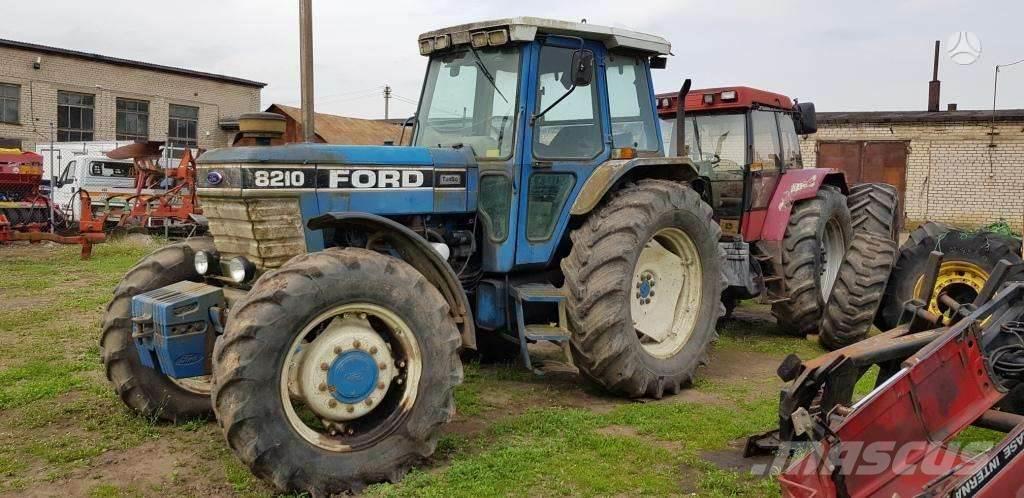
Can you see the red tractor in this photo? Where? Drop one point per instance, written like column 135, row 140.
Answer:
column 785, row 228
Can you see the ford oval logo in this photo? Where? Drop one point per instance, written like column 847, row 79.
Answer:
column 188, row 359
column 214, row 178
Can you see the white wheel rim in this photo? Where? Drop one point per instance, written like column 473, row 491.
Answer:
column 666, row 292
column 833, row 249
column 401, row 375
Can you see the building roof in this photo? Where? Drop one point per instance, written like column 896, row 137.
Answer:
column 908, row 117
column 127, row 62
column 527, row 28
column 345, row 130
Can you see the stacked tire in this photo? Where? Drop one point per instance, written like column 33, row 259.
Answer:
column 860, row 285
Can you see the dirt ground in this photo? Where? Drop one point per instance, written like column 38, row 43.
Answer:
column 65, row 433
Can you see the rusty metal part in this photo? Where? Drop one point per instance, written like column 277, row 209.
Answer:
column 827, row 382
column 609, row 173
column 35, row 235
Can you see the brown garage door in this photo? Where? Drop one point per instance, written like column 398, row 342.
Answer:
column 867, row 161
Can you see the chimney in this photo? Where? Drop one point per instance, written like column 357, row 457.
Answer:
column 951, row 106
column 934, row 84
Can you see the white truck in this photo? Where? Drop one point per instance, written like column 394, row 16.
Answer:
column 73, row 166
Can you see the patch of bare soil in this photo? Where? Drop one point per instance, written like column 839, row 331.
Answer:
column 159, row 467
column 732, row 458
column 740, row 366
column 628, row 431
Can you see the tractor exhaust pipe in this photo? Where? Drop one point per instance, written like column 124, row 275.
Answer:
column 306, row 68
column 680, row 116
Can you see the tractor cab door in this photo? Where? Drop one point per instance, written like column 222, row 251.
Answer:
column 766, row 161
column 561, row 148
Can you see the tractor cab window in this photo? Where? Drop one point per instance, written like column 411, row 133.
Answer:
column 469, row 99
column 767, row 150
column 570, row 130
column 629, row 100
column 716, row 140
column 790, row 142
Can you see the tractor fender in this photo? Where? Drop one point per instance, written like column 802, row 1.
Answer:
column 794, row 185
column 611, row 173
column 415, row 250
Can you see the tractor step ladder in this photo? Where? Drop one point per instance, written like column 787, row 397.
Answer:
column 774, row 285
column 557, row 333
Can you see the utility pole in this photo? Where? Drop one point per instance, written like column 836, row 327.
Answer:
column 387, row 99
column 306, row 68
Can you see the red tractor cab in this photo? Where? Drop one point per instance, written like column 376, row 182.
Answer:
column 785, row 229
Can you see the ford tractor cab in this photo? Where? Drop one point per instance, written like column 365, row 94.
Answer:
column 324, row 320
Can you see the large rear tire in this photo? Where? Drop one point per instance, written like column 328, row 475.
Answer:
column 816, row 239
column 143, row 389
column 968, row 260
column 336, row 371
column 875, row 208
column 644, row 279
column 858, row 291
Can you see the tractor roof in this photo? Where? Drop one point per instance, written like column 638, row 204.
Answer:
column 711, row 100
column 527, row 29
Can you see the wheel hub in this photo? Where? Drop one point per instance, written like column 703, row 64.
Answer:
column 346, row 371
column 645, row 287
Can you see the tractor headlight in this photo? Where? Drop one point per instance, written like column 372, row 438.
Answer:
column 204, row 262
column 240, row 269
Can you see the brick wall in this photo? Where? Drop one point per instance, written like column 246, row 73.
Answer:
column 39, row 87
column 953, row 176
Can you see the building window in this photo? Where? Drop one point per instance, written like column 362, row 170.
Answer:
column 182, row 125
column 10, row 98
column 132, row 119
column 75, row 116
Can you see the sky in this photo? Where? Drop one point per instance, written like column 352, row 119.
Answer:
column 843, row 56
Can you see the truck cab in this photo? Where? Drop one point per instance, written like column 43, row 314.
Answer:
column 99, row 175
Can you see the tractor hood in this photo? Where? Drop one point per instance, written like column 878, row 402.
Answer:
column 373, row 179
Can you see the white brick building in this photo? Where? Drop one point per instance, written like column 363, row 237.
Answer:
column 94, row 97
column 957, row 167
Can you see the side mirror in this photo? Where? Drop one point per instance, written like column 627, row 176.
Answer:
column 582, row 67
column 805, row 119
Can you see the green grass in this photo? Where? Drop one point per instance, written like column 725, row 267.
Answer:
column 58, row 415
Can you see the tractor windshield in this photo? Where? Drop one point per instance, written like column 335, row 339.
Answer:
column 470, row 98
column 717, row 139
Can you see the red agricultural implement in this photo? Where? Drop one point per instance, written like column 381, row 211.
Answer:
column 174, row 207
column 934, row 380
column 25, row 213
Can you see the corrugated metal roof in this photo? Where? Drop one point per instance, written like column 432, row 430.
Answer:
column 127, row 62
column 909, row 117
column 345, row 130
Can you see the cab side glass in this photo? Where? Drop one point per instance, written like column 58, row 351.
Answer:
column 790, row 142
column 569, row 130
column 629, row 101
column 495, row 204
column 767, row 149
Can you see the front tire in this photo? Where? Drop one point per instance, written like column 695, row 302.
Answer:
column 145, row 390
column 816, row 239
column 654, row 236
column 362, row 407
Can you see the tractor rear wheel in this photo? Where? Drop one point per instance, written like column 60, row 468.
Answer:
column 644, row 281
column 816, row 238
column 968, row 260
column 336, row 371
column 858, row 290
column 875, row 208
column 143, row 389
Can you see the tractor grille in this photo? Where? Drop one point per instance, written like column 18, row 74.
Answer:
column 267, row 231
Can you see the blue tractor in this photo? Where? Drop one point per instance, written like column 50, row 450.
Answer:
column 324, row 320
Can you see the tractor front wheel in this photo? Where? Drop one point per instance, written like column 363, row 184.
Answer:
column 336, row 371
column 644, row 279
column 144, row 389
